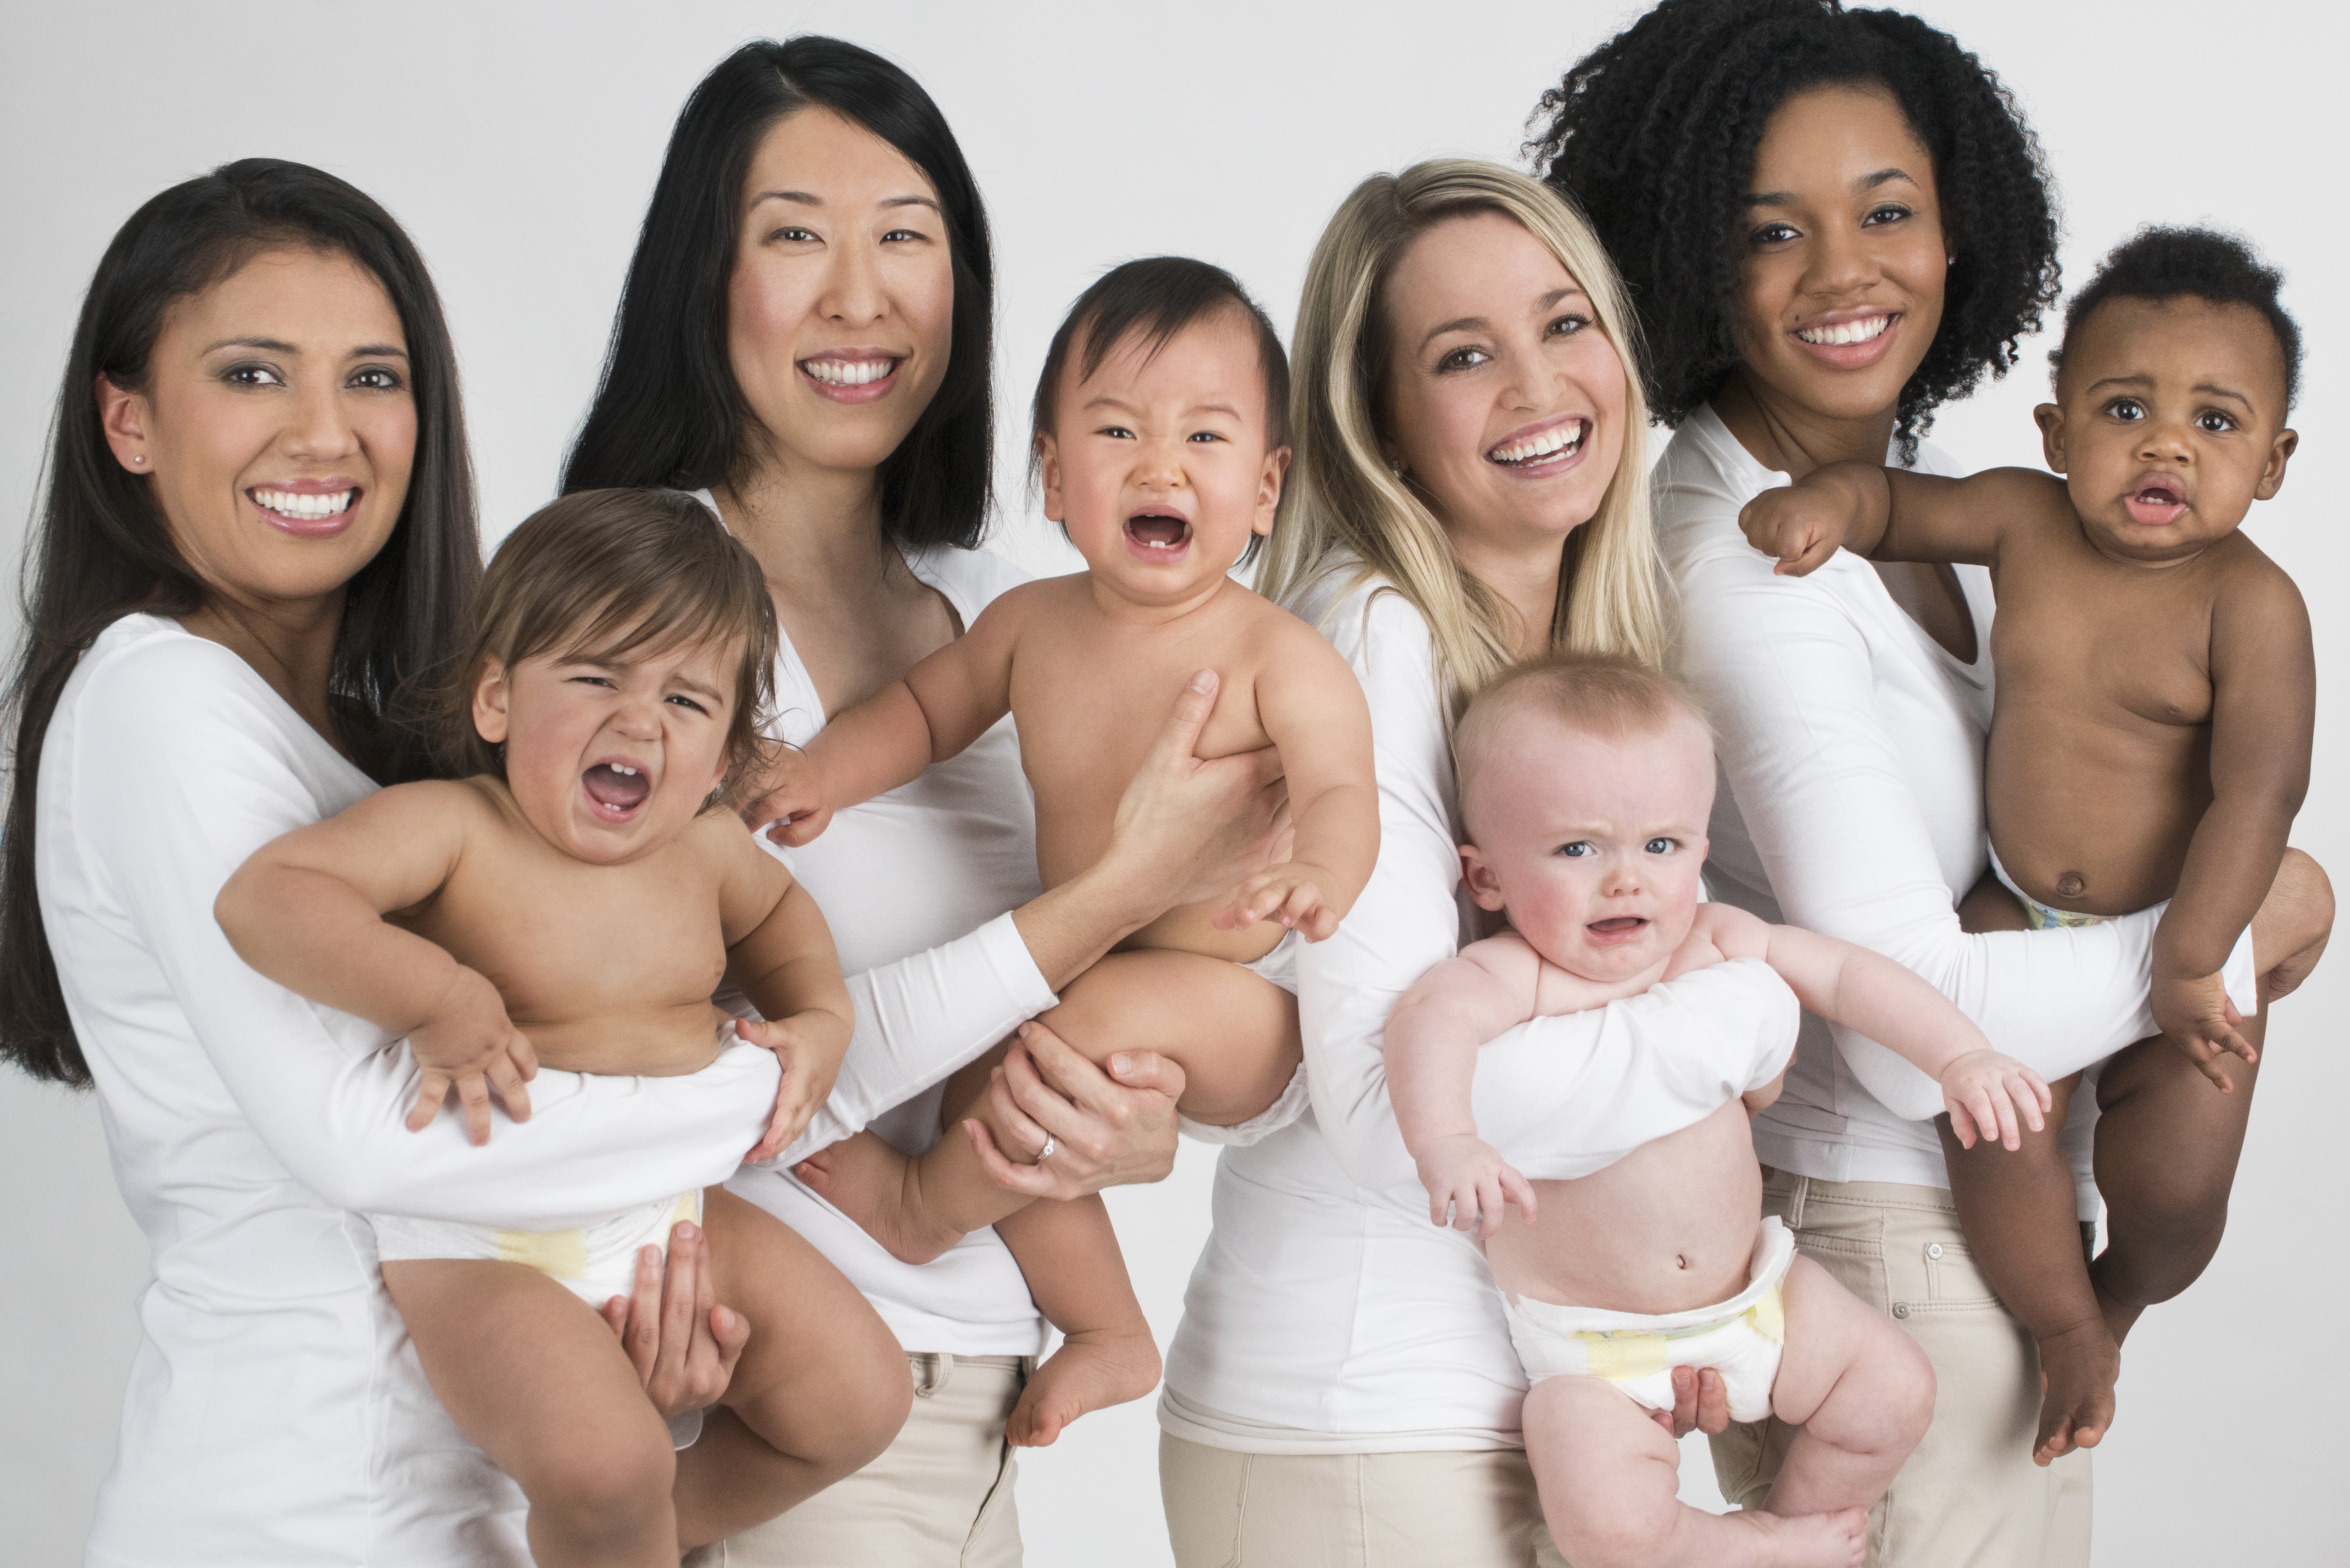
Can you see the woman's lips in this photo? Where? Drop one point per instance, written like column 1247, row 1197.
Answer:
column 306, row 511
column 1543, row 450
column 857, row 378
column 1848, row 341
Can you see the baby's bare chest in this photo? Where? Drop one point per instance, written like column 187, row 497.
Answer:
column 2075, row 643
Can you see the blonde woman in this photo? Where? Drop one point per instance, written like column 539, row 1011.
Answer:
column 1471, row 489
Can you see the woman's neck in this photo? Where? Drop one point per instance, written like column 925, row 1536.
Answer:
column 813, row 527
column 289, row 643
column 1525, row 579
column 1795, row 440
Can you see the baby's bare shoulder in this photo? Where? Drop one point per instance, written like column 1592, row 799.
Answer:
column 1284, row 650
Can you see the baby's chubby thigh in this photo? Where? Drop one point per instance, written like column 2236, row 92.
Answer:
column 1232, row 1032
column 1846, row 1374
column 1608, row 1472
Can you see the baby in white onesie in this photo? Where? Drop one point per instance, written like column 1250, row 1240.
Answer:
column 1584, row 790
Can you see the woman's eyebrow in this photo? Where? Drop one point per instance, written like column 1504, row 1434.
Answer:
column 1866, row 183
column 810, row 199
column 279, row 346
column 1457, row 323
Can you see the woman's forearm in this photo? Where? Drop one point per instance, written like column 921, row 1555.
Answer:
column 1069, row 929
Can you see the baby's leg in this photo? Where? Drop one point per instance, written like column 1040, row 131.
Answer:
column 535, row 1377
column 821, row 1389
column 1609, row 1479
column 2023, row 1222
column 1069, row 1254
column 1233, row 1033
column 2169, row 1141
column 1858, row 1391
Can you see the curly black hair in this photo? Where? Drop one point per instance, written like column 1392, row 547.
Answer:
column 2197, row 264
column 1653, row 135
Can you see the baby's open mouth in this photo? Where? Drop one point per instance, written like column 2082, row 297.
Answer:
column 1557, row 444
column 2155, row 501
column 1158, row 533
column 1618, row 926
column 617, row 787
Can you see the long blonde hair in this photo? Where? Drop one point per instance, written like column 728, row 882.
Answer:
column 1349, row 512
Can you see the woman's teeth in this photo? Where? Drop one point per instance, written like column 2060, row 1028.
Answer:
column 1843, row 332
column 1557, row 439
column 287, row 503
column 848, row 372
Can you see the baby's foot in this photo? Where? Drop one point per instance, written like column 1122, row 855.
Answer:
column 2077, row 1371
column 1094, row 1370
column 1839, row 1540
column 880, row 1189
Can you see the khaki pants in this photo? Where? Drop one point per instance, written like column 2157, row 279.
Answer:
column 939, row 1497
column 1970, row 1496
column 1227, row 1509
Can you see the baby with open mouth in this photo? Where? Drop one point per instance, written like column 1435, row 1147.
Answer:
column 575, row 902
column 2156, row 691
column 1160, row 439
column 1585, row 785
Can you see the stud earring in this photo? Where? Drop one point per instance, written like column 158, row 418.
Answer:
column 139, row 460
column 1395, row 466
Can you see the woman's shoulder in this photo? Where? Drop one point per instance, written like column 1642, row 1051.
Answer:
column 1359, row 612
column 970, row 579
column 1700, row 484
column 149, row 669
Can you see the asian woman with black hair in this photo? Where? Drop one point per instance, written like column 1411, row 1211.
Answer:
column 257, row 535
column 1833, row 221
column 804, row 340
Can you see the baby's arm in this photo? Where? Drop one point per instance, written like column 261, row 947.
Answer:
column 944, row 704
column 2263, row 709
column 779, row 953
column 307, row 909
column 1892, row 514
column 1314, row 712
column 1983, row 1091
column 1432, row 1044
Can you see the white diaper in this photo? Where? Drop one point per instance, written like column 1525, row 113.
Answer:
column 2239, row 974
column 595, row 1263
column 1279, row 966
column 1741, row 1338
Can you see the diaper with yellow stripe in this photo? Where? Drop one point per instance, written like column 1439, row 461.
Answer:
column 1740, row 1338
column 595, row 1263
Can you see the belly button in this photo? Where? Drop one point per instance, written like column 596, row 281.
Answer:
column 1679, row 1262
column 2071, row 884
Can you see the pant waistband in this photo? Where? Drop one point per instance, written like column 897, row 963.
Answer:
column 934, row 1369
column 1801, row 1191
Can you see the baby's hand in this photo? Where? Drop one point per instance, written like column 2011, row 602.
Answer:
column 789, row 796
column 1987, row 1092
column 1803, row 527
column 1290, row 893
column 469, row 1045
column 811, row 1045
column 2194, row 1014
column 1467, row 1177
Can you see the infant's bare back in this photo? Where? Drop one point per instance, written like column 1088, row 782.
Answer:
column 1668, row 1227
column 1090, row 694
column 607, row 969
column 2099, row 763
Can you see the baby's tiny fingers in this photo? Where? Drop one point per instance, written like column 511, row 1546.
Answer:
column 430, row 1093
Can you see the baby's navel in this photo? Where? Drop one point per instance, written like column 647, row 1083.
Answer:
column 2072, row 884
column 1680, row 1259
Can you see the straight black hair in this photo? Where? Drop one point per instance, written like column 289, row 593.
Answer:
column 99, row 548
column 668, row 413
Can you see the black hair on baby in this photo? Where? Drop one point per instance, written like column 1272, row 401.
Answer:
column 2160, row 263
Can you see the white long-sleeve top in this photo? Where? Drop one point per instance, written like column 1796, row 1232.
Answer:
column 1326, row 1314
column 908, row 873
column 1851, row 750
column 275, row 1414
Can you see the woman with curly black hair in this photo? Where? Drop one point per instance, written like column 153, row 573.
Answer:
column 1833, row 221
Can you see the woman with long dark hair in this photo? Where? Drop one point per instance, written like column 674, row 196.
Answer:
column 803, row 339
column 1832, row 223
column 258, row 537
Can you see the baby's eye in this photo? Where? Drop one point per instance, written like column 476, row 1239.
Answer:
column 2213, row 422
column 1890, row 212
column 685, row 701
column 377, row 378
column 1204, row 436
column 1582, row 848
column 1775, row 234
column 1568, row 326
column 1116, row 433
column 251, row 375
column 603, row 681
column 1660, row 847
column 1462, row 359
column 2128, row 410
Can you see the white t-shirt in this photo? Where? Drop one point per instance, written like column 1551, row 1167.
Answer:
column 1851, row 748
column 906, row 874
column 276, row 1413
column 1327, row 1313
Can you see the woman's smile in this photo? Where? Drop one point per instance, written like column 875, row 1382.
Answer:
column 307, row 508
column 1543, row 449
column 1850, row 340
column 853, row 375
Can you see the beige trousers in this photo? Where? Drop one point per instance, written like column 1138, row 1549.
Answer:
column 1970, row 1496
column 939, row 1497
column 1227, row 1509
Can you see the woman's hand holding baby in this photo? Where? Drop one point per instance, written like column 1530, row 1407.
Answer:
column 811, row 1045
column 468, row 1044
column 1290, row 893
column 1469, row 1185
column 2194, row 1014
column 1988, row 1094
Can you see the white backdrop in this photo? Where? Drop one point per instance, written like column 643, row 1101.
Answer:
column 518, row 143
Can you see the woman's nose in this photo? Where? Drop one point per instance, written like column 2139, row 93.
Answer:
column 853, row 295
column 320, row 428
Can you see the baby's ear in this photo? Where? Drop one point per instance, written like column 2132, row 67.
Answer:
column 1478, row 873
column 2273, row 472
column 490, row 691
column 2050, row 418
column 1048, row 476
column 1268, row 489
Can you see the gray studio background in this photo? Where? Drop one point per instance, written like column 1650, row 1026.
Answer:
column 518, row 143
